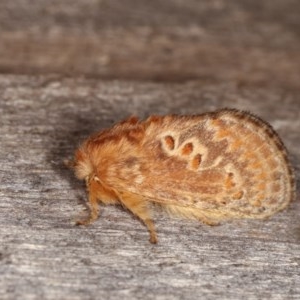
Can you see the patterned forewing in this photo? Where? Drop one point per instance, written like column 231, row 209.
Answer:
column 226, row 161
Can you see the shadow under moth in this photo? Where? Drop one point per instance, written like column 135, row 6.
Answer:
column 211, row 167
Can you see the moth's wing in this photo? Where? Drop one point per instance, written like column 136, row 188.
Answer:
column 181, row 192
column 213, row 162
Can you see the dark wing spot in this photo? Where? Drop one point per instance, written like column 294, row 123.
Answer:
column 238, row 195
column 196, row 161
column 131, row 161
column 169, row 141
column 187, row 149
column 229, row 183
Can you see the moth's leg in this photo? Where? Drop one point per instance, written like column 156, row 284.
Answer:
column 139, row 208
column 94, row 207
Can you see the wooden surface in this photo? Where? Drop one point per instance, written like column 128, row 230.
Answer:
column 208, row 55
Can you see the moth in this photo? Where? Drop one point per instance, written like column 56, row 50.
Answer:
column 211, row 167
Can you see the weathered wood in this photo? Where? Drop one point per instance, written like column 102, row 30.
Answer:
column 246, row 41
column 43, row 256
column 207, row 55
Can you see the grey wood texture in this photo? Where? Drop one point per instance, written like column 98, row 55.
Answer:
column 70, row 68
column 250, row 41
column 43, row 256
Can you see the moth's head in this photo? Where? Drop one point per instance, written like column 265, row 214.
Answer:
column 81, row 164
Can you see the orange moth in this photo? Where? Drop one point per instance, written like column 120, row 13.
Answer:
column 210, row 167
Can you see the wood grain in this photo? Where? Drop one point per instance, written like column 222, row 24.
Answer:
column 250, row 42
column 43, row 256
column 70, row 68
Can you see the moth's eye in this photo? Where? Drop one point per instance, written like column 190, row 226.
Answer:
column 169, row 142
